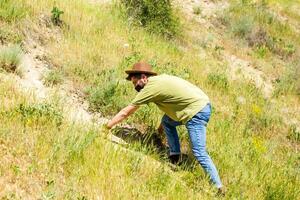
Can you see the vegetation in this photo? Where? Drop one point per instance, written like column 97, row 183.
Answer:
column 12, row 10
column 53, row 77
column 47, row 157
column 10, row 58
column 56, row 13
column 156, row 16
column 197, row 10
column 260, row 27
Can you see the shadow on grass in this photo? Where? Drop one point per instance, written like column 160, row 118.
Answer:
column 152, row 140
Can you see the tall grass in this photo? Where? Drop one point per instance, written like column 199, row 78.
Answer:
column 12, row 10
column 247, row 139
column 260, row 27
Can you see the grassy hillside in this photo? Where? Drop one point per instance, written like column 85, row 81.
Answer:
column 45, row 156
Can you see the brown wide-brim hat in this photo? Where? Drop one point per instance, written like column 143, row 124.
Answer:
column 140, row 68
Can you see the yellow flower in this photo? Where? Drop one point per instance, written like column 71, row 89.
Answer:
column 259, row 145
column 256, row 109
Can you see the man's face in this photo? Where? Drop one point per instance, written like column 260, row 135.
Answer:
column 139, row 84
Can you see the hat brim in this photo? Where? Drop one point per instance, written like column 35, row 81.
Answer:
column 130, row 72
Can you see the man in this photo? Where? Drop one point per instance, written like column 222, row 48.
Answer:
column 183, row 104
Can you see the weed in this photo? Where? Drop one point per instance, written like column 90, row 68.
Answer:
column 260, row 27
column 281, row 191
column 56, row 13
column 156, row 16
column 243, row 26
column 171, row 69
column 258, row 37
column 217, row 51
column 218, row 80
column 11, row 10
column 197, row 10
column 53, row 77
column 294, row 133
column 128, row 61
column 39, row 114
column 261, row 51
column 77, row 144
column 289, row 82
column 9, row 35
column 10, row 58
column 259, row 121
column 106, row 97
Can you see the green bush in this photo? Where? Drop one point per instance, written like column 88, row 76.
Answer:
column 155, row 15
column 242, row 27
column 10, row 58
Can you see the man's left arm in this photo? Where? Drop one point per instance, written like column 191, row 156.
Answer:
column 123, row 114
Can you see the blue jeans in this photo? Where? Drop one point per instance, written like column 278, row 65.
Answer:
column 197, row 132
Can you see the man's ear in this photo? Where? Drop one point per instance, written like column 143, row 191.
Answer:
column 144, row 76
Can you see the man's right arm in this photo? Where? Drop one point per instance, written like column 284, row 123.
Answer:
column 123, row 114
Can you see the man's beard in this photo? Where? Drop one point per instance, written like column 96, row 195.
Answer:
column 138, row 87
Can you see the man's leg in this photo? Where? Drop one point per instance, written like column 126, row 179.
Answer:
column 169, row 126
column 197, row 132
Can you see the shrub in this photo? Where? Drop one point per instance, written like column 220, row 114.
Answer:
column 243, row 26
column 258, row 37
column 10, row 58
column 155, row 15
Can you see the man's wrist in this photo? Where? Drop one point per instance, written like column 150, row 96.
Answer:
column 107, row 126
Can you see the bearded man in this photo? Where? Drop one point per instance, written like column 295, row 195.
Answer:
column 183, row 104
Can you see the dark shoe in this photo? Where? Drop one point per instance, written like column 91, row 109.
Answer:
column 174, row 159
column 221, row 192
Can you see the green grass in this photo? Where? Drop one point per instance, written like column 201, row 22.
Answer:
column 255, row 152
column 53, row 77
column 12, row 10
column 248, row 17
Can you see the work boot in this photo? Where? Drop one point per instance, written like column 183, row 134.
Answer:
column 174, row 159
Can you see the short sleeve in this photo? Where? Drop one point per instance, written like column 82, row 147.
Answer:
column 146, row 95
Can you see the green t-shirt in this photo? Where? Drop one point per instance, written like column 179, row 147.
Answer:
column 178, row 98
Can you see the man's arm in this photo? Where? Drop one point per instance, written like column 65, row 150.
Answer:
column 123, row 114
